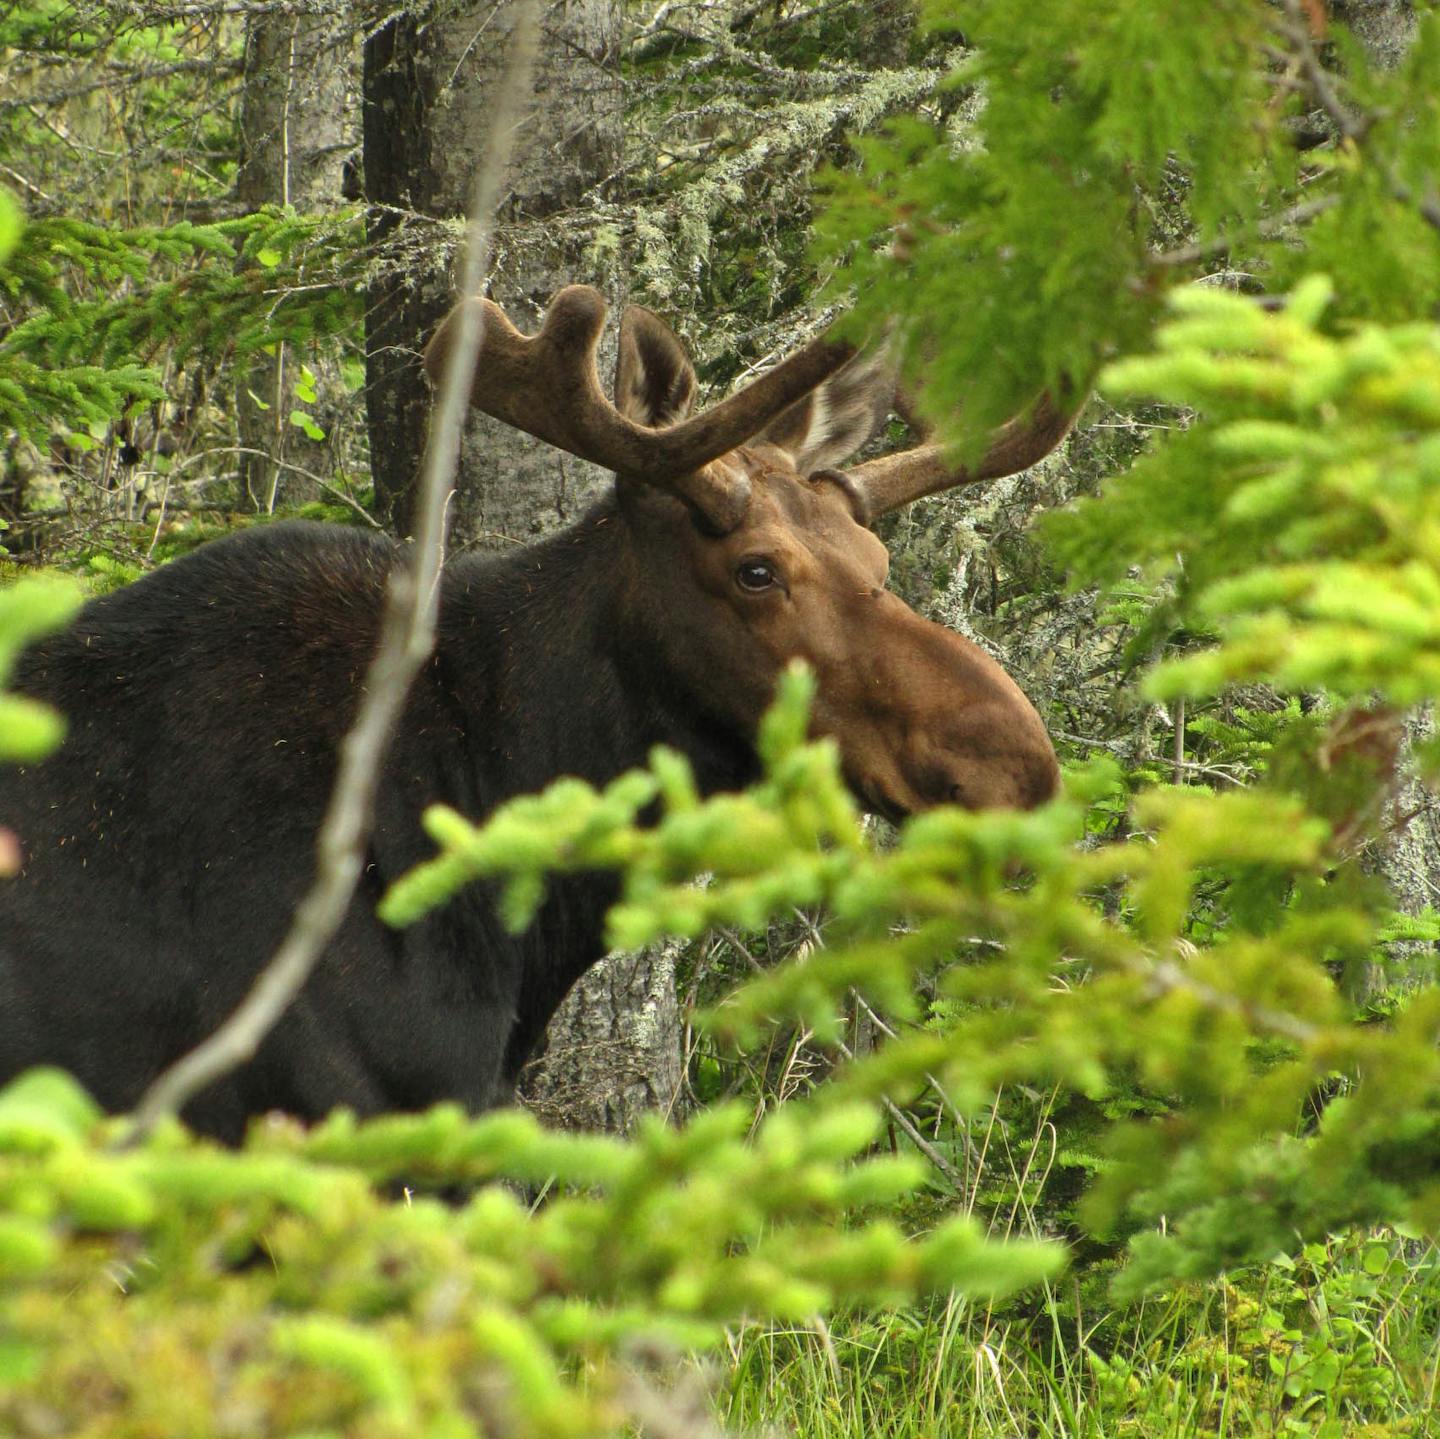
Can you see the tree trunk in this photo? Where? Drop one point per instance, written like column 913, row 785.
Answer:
column 1384, row 27
column 612, row 1053
column 426, row 83
column 1408, row 856
column 295, row 130
column 613, row 1050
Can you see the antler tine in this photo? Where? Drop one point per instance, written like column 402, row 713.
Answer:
column 547, row 384
column 894, row 480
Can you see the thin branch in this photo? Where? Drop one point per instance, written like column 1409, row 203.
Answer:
column 739, row 946
column 130, row 74
column 1164, row 976
column 1267, row 229
column 780, row 22
column 406, row 641
column 942, row 1093
column 1351, row 126
column 1178, row 761
column 1427, row 204
column 28, row 187
column 63, row 512
column 956, row 1178
column 1125, row 752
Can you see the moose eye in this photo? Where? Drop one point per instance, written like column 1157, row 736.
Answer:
column 755, row 575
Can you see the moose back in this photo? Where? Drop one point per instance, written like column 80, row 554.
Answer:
column 166, row 843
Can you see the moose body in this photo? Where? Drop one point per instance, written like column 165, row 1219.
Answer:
column 178, row 820
column 167, row 841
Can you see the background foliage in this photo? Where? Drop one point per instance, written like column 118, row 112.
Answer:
column 1179, row 1028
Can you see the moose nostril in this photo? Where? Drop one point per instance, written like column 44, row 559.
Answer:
column 1021, row 780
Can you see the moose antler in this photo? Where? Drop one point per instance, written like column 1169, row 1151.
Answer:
column 878, row 486
column 547, row 385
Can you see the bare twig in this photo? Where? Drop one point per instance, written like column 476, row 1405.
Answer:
column 1179, row 756
column 957, row 1180
column 209, row 65
column 406, row 640
column 1267, row 229
column 961, row 1123
column 1165, row 976
column 1350, row 125
column 739, row 946
column 28, row 187
column 779, row 22
column 1427, row 204
column 1124, row 751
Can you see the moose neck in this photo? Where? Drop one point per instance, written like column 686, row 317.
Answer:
column 552, row 660
column 557, row 647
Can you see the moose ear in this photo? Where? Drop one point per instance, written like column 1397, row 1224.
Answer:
column 654, row 379
column 828, row 425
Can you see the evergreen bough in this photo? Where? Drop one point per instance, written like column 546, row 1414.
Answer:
column 104, row 306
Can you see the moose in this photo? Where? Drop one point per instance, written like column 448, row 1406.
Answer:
column 167, row 841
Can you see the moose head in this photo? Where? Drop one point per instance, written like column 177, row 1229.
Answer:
column 750, row 547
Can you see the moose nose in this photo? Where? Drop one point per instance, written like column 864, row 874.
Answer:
column 1028, row 778
column 994, row 758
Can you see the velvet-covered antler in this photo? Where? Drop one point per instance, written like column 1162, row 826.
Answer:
column 547, row 385
column 881, row 485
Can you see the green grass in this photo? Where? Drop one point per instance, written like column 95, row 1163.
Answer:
column 1341, row 1342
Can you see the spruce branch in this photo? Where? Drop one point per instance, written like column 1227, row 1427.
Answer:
column 406, row 641
column 1166, row 976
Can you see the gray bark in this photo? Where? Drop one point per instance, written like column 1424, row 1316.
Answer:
column 425, row 91
column 516, row 489
column 1384, row 27
column 296, row 127
column 613, row 1050
column 1408, row 856
column 612, row 1053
